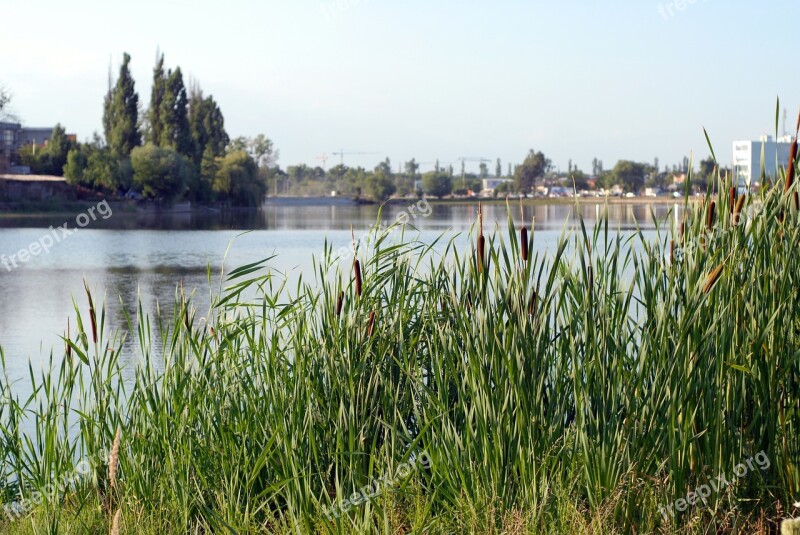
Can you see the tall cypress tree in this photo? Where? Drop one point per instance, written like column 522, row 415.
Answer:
column 174, row 115
column 121, row 113
column 156, row 102
column 207, row 127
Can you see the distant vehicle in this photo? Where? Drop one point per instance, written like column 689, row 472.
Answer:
column 630, row 195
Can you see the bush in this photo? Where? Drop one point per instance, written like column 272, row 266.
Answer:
column 160, row 173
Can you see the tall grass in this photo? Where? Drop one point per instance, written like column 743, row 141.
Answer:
column 574, row 390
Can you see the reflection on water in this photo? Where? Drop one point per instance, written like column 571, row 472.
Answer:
column 146, row 256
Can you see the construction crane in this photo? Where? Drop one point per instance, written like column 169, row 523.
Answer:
column 324, row 159
column 341, row 154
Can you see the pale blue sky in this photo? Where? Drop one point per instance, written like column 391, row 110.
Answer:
column 427, row 79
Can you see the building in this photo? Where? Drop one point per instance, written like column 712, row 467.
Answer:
column 747, row 158
column 489, row 185
column 14, row 136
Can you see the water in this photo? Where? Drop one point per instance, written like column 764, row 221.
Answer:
column 131, row 256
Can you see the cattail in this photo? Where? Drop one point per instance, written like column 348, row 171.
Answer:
column 371, row 324
column 69, row 347
column 113, row 460
column 92, row 317
column 481, row 240
column 732, row 198
column 671, row 251
column 357, row 272
column 533, row 303
column 339, row 302
column 712, row 279
column 115, row 523
column 738, row 209
column 710, row 216
column 683, row 233
column 523, row 234
column 796, row 201
column 790, row 169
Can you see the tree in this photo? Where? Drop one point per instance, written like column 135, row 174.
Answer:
column 384, row 167
column 379, row 186
column 207, row 127
column 157, row 102
column 437, row 184
column 174, row 115
column 498, row 169
column 412, row 167
column 50, row 159
column 484, row 170
column 121, row 113
column 238, row 181
column 159, row 173
column 533, row 168
column 5, row 100
column 629, row 174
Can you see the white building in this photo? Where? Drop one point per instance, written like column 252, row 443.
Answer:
column 747, row 157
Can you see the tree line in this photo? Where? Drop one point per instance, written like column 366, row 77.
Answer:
column 177, row 149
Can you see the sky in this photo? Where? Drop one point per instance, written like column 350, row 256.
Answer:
column 427, row 79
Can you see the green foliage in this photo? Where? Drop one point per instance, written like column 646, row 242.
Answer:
column 437, row 184
column 173, row 113
column 207, row 127
column 121, row 113
column 576, row 392
column 160, row 173
column 157, row 95
column 379, row 186
column 532, row 169
column 238, row 181
column 630, row 175
column 50, row 159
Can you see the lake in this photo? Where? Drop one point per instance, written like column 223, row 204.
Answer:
column 129, row 256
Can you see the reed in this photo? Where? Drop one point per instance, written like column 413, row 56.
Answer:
column 625, row 386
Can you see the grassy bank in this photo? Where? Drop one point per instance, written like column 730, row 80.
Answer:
column 598, row 388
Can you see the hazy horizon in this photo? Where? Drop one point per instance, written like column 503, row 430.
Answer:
column 632, row 80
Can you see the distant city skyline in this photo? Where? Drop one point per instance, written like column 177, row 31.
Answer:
column 427, row 80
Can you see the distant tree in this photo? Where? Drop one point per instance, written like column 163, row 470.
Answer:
column 157, row 94
column 5, row 101
column 437, row 184
column 50, row 159
column 207, row 127
column 412, row 167
column 160, row 173
column 484, row 170
column 384, row 167
column 174, row 115
column 498, row 169
column 121, row 113
column 379, row 186
column 238, row 180
column 707, row 167
column 533, row 168
column 630, row 174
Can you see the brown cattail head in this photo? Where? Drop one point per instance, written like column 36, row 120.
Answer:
column 790, row 168
column 683, row 232
column 357, row 274
column 796, row 200
column 523, row 238
column 671, row 251
column 481, row 253
column 533, row 303
column 738, row 209
column 92, row 317
column 69, row 347
column 710, row 215
column 371, row 324
column 712, row 279
column 732, row 198
column 113, row 460
column 339, row 303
